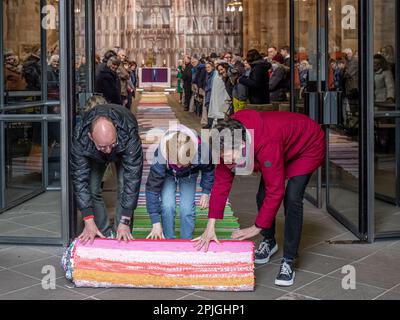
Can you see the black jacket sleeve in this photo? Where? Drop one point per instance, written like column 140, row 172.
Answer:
column 80, row 173
column 256, row 79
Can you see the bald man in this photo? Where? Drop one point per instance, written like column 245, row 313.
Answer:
column 107, row 134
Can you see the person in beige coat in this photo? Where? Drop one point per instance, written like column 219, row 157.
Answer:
column 124, row 77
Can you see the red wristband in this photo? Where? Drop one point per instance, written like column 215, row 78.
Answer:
column 88, row 218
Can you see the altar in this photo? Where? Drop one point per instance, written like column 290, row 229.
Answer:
column 150, row 77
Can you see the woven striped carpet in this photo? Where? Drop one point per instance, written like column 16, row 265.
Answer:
column 154, row 112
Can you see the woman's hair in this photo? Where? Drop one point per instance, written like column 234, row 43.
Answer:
column 211, row 64
column 94, row 101
column 181, row 149
column 253, row 55
column 382, row 61
column 232, row 126
column 223, row 65
column 114, row 61
column 108, row 55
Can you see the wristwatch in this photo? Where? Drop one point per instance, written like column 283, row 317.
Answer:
column 126, row 221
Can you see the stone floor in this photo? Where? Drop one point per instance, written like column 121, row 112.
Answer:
column 319, row 268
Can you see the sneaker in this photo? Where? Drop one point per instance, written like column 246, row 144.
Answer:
column 286, row 274
column 265, row 251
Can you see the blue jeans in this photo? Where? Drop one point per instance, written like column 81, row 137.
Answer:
column 100, row 211
column 187, row 188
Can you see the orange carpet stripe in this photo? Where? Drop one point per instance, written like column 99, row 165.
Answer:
column 145, row 280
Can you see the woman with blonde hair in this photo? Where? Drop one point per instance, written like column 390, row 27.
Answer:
column 177, row 164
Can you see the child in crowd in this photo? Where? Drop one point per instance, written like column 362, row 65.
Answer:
column 177, row 163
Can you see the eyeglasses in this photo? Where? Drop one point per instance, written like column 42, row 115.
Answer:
column 106, row 148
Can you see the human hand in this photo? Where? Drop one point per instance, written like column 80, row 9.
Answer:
column 90, row 232
column 156, row 233
column 208, row 236
column 204, row 201
column 124, row 233
column 247, row 233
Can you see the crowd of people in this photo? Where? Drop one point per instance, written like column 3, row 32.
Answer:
column 259, row 78
column 116, row 76
column 217, row 85
column 220, row 85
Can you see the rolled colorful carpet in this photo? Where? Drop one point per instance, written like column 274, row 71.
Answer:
column 172, row 264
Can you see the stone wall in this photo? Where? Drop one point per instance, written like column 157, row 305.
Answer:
column 266, row 23
column 160, row 31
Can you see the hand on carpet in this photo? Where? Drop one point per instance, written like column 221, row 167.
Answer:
column 247, row 233
column 156, row 233
column 208, row 236
column 124, row 233
column 90, row 232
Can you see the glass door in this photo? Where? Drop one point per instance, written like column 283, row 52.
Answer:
column 307, row 73
column 343, row 157
column 325, row 85
column 386, row 118
column 30, row 158
column 35, row 82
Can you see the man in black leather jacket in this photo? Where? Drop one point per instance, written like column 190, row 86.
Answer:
column 107, row 134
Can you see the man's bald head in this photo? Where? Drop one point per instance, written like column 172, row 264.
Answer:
column 104, row 134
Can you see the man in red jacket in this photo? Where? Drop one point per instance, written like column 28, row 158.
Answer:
column 287, row 146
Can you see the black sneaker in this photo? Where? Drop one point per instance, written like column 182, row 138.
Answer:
column 286, row 274
column 265, row 251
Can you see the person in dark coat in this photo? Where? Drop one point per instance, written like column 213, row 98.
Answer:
column 106, row 134
column 258, row 80
column 108, row 82
column 103, row 64
column 32, row 73
column 187, row 78
column 279, row 83
column 199, row 74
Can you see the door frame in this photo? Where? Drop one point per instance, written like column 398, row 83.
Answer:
column 316, row 200
column 365, row 229
column 67, row 98
column 395, row 115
